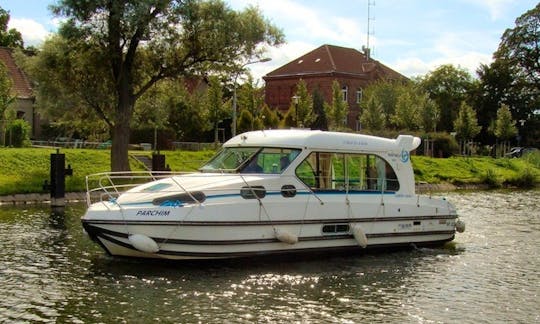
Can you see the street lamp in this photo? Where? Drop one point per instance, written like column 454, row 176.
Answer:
column 240, row 69
column 295, row 99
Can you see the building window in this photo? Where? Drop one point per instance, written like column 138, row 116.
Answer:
column 344, row 91
column 358, row 96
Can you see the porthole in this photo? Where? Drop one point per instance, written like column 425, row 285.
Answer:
column 253, row 192
column 288, row 191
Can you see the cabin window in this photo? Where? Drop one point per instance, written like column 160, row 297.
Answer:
column 252, row 160
column 335, row 229
column 323, row 171
column 270, row 161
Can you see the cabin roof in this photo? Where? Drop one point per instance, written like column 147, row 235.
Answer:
column 322, row 140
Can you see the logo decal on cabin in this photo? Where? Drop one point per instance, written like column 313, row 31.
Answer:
column 404, row 156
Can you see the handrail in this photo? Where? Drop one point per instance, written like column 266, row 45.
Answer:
column 106, row 187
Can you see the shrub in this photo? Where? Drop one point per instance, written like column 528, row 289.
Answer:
column 444, row 144
column 18, row 133
column 491, row 179
column 524, row 179
column 532, row 157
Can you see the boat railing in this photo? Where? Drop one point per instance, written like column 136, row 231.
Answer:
column 107, row 186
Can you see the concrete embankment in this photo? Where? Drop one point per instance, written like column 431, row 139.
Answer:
column 35, row 198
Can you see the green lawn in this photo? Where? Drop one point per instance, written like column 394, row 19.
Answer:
column 24, row 170
column 475, row 170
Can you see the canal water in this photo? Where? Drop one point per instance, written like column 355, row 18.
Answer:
column 50, row 272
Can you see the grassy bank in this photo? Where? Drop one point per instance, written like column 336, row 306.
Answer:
column 25, row 170
column 494, row 173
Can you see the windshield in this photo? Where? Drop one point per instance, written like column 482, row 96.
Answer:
column 251, row 160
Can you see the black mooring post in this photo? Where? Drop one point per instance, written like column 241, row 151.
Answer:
column 158, row 162
column 58, row 177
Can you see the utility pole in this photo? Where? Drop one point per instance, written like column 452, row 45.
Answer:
column 366, row 49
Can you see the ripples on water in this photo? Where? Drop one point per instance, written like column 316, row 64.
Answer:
column 50, row 272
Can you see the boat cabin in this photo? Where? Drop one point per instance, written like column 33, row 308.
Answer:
column 323, row 161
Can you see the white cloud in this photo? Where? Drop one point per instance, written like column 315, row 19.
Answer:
column 308, row 23
column 33, row 33
column 414, row 66
column 497, row 8
column 280, row 56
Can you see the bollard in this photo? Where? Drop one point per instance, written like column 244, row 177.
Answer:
column 58, row 176
column 158, row 162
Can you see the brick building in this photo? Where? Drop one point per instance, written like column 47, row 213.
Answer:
column 22, row 89
column 319, row 68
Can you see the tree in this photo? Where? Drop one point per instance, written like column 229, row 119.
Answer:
column 492, row 90
column 270, row 119
column 245, row 121
column 303, row 108
column 448, row 86
column 336, row 112
column 216, row 106
column 505, row 126
column 9, row 37
column 251, row 98
column 407, row 115
column 321, row 122
column 385, row 93
column 520, row 46
column 144, row 42
column 6, row 99
column 429, row 113
column 519, row 55
column 373, row 117
column 188, row 114
column 466, row 124
column 73, row 87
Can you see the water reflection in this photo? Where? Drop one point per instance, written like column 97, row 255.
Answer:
column 51, row 272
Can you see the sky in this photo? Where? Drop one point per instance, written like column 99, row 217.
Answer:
column 412, row 37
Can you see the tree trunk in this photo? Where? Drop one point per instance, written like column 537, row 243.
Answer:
column 119, row 149
column 121, row 130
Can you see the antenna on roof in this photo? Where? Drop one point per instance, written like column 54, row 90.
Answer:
column 366, row 49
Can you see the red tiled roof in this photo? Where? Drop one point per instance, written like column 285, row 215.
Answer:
column 21, row 86
column 333, row 59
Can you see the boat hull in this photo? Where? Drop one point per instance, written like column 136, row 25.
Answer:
column 216, row 240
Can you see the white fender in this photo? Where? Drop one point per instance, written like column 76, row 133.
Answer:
column 359, row 235
column 460, row 226
column 143, row 243
column 286, row 237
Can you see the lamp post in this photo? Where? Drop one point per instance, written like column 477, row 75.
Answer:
column 240, row 69
column 295, row 99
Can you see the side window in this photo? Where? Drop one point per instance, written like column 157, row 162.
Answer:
column 271, row 161
column 323, row 171
column 306, row 173
column 383, row 176
column 351, row 172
